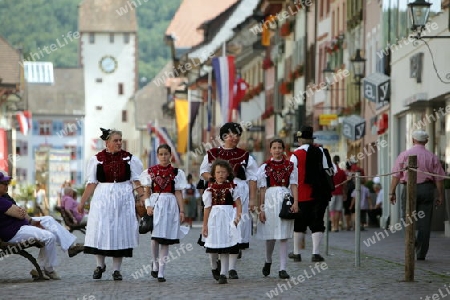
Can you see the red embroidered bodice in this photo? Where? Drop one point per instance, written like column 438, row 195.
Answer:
column 163, row 178
column 221, row 193
column 278, row 172
column 113, row 167
column 238, row 159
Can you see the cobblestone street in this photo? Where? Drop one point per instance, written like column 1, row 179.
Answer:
column 189, row 277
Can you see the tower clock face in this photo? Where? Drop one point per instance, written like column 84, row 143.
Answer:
column 108, row 64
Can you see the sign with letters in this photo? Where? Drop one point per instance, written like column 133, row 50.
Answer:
column 354, row 127
column 377, row 89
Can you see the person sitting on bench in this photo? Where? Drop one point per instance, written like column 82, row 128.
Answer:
column 70, row 205
column 17, row 226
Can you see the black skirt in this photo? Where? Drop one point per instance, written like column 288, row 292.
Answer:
column 112, row 253
column 229, row 250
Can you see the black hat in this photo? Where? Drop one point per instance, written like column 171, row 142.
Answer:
column 105, row 133
column 231, row 127
column 306, row 132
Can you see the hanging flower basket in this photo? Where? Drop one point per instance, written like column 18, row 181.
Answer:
column 267, row 113
column 298, row 72
column 286, row 88
column 286, row 29
column 267, row 63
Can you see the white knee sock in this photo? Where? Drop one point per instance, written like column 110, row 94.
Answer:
column 283, row 254
column 224, row 263
column 213, row 257
column 233, row 259
column 100, row 260
column 298, row 237
column 316, row 239
column 270, row 244
column 117, row 263
column 164, row 251
column 155, row 252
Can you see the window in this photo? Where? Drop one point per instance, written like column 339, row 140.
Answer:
column 111, row 38
column 99, row 80
column 124, row 144
column 124, row 116
column 126, row 38
column 73, row 151
column 70, row 128
column 45, row 127
column 120, row 90
column 98, row 107
column 91, row 38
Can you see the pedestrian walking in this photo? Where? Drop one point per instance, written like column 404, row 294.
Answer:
column 112, row 229
column 277, row 179
column 314, row 191
column 164, row 200
column 220, row 222
column 244, row 171
column 426, row 186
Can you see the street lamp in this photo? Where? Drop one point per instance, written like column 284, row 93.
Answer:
column 419, row 12
column 327, row 74
column 358, row 65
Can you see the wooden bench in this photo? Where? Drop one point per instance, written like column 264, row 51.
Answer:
column 71, row 226
column 7, row 248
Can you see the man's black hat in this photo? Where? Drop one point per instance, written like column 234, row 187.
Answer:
column 306, row 132
column 230, row 127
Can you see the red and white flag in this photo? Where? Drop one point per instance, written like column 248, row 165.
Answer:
column 24, row 119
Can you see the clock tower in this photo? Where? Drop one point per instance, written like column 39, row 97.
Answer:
column 108, row 56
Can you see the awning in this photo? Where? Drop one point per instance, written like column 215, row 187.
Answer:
column 354, row 127
column 244, row 10
column 377, row 89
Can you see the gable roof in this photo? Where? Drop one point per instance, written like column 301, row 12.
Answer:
column 107, row 16
column 10, row 68
column 191, row 14
column 64, row 97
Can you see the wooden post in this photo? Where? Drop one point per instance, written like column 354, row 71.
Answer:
column 410, row 230
column 357, row 224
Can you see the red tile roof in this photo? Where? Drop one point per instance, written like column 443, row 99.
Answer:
column 10, row 67
column 107, row 16
column 188, row 18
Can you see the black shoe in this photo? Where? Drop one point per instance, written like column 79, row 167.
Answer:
column 75, row 249
column 116, row 275
column 216, row 274
column 266, row 269
column 232, row 274
column 283, row 274
column 297, row 257
column 291, row 255
column 421, row 258
column 154, row 274
column 317, row 257
column 98, row 272
column 161, row 279
column 223, row 279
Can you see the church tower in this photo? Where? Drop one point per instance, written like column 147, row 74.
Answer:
column 109, row 57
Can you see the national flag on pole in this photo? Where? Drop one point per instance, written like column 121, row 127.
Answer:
column 224, row 72
column 163, row 138
column 24, row 119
